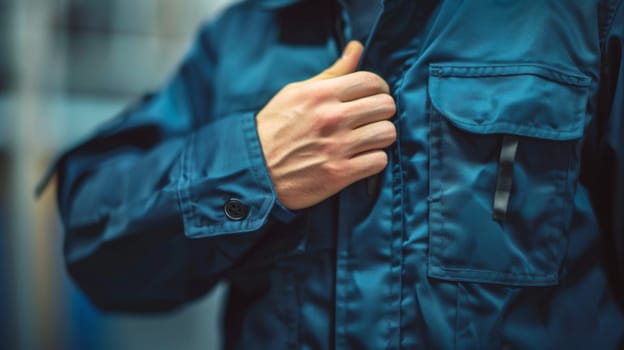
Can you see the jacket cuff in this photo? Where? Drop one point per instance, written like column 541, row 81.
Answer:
column 224, row 186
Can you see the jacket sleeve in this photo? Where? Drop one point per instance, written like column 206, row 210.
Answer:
column 603, row 154
column 142, row 201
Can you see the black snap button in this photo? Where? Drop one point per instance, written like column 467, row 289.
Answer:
column 235, row 210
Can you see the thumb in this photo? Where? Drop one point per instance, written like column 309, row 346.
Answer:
column 345, row 64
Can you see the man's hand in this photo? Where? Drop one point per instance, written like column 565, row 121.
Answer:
column 325, row 133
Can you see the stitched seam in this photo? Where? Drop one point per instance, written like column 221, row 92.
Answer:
column 399, row 191
column 537, row 131
column 436, row 204
column 562, row 195
column 496, row 70
column 494, row 273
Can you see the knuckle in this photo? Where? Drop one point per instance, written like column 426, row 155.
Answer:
column 329, row 148
column 388, row 103
column 347, row 110
column 334, row 170
column 334, row 148
column 383, row 132
column 370, row 78
column 383, row 160
column 390, row 131
column 326, row 123
column 378, row 162
column 316, row 93
column 374, row 80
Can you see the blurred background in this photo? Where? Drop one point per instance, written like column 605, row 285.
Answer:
column 66, row 66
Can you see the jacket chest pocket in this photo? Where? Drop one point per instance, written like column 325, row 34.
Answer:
column 503, row 160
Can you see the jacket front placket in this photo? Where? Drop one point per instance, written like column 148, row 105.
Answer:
column 369, row 261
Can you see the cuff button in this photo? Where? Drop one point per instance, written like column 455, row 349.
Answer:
column 235, row 210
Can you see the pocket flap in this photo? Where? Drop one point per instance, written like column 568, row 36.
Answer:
column 526, row 100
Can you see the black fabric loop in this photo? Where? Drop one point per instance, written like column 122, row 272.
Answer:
column 504, row 178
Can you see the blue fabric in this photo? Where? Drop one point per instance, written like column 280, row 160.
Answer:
column 362, row 15
column 422, row 263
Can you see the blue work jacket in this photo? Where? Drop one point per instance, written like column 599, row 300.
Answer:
column 498, row 223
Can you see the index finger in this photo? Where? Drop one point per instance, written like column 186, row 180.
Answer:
column 359, row 85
